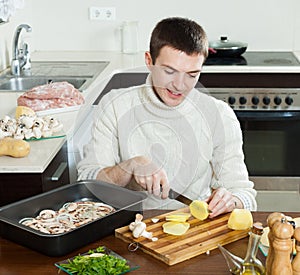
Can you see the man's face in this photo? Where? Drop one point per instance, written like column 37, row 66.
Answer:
column 174, row 74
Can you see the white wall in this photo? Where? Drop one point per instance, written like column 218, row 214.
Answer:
column 64, row 24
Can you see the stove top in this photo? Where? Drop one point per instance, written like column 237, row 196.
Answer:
column 256, row 59
column 255, row 90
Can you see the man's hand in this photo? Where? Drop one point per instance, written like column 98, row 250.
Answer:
column 151, row 177
column 222, row 201
column 146, row 174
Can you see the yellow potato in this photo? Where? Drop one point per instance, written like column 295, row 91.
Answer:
column 178, row 217
column 23, row 110
column 176, row 228
column 16, row 148
column 199, row 209
column 240, row 219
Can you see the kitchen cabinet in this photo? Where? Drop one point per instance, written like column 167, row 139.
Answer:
column 17, row 186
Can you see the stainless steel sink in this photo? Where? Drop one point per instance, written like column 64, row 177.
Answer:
column 78, row 73
column 26, row 83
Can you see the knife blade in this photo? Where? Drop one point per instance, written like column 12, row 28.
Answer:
column 179, row 197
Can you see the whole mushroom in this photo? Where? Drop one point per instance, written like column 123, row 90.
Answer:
column 138, row 228
column 28, row 121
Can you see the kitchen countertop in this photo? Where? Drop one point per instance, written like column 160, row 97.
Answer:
column 45, row 150
column 16, row 259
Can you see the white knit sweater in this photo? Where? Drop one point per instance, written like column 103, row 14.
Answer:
column 198, row 143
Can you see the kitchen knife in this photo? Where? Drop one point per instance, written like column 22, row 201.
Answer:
column 176, row 196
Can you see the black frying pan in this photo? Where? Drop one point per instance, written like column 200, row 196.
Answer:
column 226, row 48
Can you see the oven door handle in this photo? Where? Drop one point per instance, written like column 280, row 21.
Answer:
column 268, row 115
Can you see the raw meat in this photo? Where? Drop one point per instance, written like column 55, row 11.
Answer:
column 51, row 96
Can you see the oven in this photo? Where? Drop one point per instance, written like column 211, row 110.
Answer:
column 267, row 105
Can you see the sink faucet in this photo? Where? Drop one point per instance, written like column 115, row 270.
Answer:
column 20, row 56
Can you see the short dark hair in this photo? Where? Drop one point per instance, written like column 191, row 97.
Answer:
column 179, row 33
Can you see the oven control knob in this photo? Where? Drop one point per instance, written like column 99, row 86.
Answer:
column 289, row 100
column 266, row 100
column 231, row 100
column 255, row 100
column 277, row 100
column 243, row 100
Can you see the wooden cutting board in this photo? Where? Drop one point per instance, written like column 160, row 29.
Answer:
column 201, row 237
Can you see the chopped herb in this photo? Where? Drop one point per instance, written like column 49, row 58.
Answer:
column 97, row 261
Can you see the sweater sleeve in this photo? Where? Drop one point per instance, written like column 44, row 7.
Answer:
column 228, row 163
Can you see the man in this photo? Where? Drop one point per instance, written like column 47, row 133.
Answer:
column 168, row 134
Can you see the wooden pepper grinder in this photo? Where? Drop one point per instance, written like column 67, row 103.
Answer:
column 282, row 248
column 272, row 218
column 296, row 260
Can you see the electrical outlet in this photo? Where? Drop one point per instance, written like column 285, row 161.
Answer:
column 102, row 13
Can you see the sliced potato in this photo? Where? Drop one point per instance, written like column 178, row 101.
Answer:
column 240, row 219
column 199, row 209
column 176, row 228
column 178, row 217
column 297, row 221
column 264, row 237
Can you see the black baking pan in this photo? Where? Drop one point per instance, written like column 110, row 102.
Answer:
column 126, row 202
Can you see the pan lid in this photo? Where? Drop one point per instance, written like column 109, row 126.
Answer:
column 225, row 44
